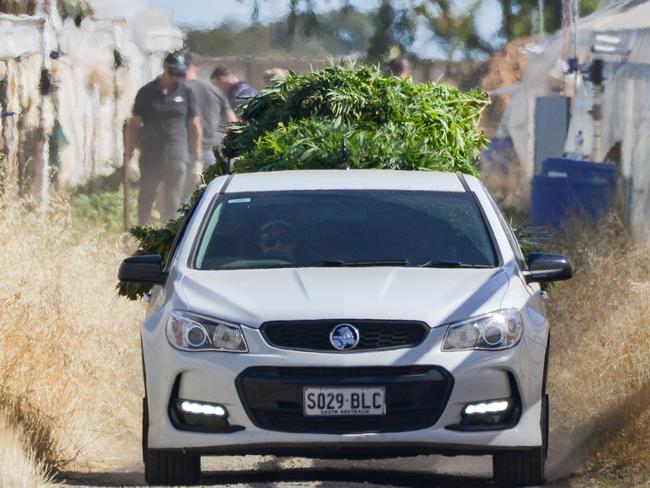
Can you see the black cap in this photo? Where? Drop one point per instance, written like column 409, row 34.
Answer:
column 176, row 63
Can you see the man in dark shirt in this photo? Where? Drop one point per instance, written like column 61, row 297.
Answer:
column 165, row 125
column 215, row 113
column 237, row 91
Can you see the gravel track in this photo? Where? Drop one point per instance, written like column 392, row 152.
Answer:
column 267, row 471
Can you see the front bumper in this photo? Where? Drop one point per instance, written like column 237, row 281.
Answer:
column 415, row 396
column 212, row 377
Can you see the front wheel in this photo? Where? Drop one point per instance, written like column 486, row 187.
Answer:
column 523, row 467
column 167, row 467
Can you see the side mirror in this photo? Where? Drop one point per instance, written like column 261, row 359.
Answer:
column 143, row 269
column 543, row 268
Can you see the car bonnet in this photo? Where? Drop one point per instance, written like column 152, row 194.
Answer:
column 432, row 295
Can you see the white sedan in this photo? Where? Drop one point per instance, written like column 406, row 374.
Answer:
column 345, row 314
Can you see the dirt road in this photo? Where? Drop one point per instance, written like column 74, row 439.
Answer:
column 255, row 471
column 118, row 464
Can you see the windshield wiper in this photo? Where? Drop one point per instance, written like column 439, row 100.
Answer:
column 337, row 263
column 451, row 264
column 333, row 263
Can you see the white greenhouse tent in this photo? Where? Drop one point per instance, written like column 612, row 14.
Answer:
column 619, row 35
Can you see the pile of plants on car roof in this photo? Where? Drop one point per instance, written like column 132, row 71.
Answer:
column 342, row 117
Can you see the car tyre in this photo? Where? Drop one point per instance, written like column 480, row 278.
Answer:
column 519, row 468
column 525, row 467
column 165, row 467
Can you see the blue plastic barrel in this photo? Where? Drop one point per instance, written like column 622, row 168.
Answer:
column 568, row 188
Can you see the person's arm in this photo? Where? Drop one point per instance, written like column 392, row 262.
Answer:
column 231, row 116
column 196, row 136
column 194, row 127
column 226, row 109
column 131, row 136
column 133, row 125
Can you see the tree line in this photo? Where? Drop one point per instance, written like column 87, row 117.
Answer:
column 389, row 29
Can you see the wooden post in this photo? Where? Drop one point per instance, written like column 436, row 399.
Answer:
column 125, row 183
column 41, row 153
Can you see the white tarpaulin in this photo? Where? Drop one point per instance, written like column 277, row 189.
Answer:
column 20, row 35
column 75, row 128
column 625, row 28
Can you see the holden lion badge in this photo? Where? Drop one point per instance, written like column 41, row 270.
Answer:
column 344, row 337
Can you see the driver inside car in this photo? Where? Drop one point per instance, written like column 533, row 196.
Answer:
column 278, row 240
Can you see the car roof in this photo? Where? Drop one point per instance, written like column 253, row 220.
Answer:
column 359, row 179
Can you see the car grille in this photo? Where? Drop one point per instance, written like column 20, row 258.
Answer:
column 314, row 335
column 415, row 397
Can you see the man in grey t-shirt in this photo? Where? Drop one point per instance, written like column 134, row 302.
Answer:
column 215, row 113
column 165, row 125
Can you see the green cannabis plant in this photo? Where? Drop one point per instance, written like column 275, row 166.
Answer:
column 340, row 117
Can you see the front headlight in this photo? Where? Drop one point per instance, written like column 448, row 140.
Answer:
column 492, row 331
column 189, row 332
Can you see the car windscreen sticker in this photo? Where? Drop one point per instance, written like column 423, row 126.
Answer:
column 240, row 200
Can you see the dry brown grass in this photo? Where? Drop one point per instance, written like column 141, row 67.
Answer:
column 69, row 347
column 70, row 377
column 18, row 465
column 505, row 185
column 599, row 377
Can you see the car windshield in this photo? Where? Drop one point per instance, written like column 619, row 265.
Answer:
column 286, row 229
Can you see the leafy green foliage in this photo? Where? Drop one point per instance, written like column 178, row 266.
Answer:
column 520, row 17
column 335, row 33
column 152, row 240
column 456, row 32
column 99, row 203
column 453, row 25
column 102, row 209
column 316, row 144
column 337, row 118
column 340, row 117
column 532, row 239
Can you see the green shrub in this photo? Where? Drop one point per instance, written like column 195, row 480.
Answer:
column 99, row 202
column 104, row 209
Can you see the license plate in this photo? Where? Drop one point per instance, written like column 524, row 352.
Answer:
column 339, row 402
